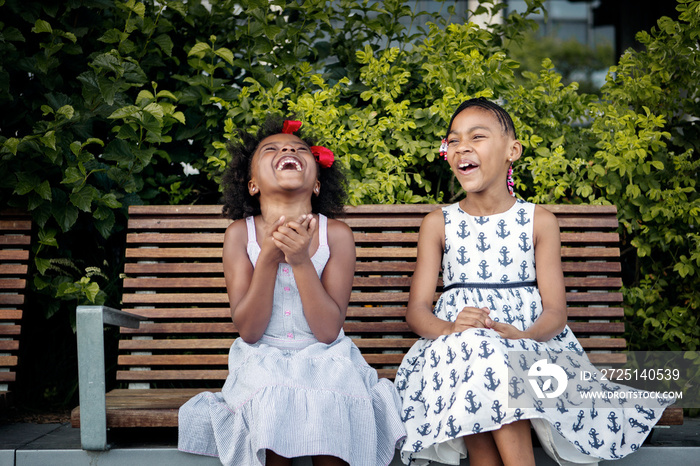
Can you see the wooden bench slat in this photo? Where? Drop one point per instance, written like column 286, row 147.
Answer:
column 14, row 255
column 138, row 239
column 13, row 269
column 15, row 240
column 9, row 345
column 12, row 284
column 13, row 225
column 11, row 299
column 181, row 374
column 8, row 361
column 364, row 343
column 10, row 330
column 7, row 377
column 10, row 314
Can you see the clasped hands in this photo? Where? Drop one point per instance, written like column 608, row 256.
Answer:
column 291, row 240
column 472, row 317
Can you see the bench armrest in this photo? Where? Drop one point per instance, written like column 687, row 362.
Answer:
column 90, row 322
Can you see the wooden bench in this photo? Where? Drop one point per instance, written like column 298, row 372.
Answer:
column 15, row 238
column 173, row 278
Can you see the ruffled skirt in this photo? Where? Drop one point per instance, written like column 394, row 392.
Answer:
column 319, row 400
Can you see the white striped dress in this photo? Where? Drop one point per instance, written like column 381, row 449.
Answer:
column 292, row 394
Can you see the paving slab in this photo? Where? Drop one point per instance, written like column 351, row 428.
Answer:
column 59, row 445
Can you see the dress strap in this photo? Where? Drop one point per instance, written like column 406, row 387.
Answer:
column 322, row 230
column 250, row 224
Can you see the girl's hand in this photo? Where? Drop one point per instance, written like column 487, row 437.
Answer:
column 294, row 239
column 268, row 248
column 470, row 317
column 505, row 330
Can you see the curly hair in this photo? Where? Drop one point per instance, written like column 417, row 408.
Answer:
column 238, row 203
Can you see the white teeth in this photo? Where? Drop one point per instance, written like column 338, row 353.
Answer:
column 287, row 163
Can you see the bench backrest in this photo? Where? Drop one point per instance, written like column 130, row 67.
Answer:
column 174, row 276
column 15, row 237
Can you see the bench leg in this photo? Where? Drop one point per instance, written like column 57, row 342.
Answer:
column 91, row 377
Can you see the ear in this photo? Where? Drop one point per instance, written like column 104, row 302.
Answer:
column 253, row 188
column 516, row 150
column 317, row 188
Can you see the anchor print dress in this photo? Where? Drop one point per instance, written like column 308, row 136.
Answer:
column 292, row 394
column 458, row 384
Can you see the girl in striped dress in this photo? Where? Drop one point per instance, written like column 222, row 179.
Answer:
column 297, row 386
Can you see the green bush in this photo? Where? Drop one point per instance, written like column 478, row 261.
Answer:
column 110, row 103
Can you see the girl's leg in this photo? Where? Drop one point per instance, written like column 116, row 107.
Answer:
column 328, row 461
column 514, row 443
column 482, row 450
column 273, row 459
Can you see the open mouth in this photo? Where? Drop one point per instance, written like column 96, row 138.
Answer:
column 288, row 163
column 467, row 166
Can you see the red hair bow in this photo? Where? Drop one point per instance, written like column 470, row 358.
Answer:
column 323, row 155
column 290, row 126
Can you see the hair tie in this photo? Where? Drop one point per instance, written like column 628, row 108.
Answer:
column 443, row 149
column 290, row 126
column 323, row 156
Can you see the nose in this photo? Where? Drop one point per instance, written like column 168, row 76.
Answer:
column 288, row 148
column 463, row 146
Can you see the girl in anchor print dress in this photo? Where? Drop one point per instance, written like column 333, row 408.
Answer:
column 454, row 381
column 297, row 386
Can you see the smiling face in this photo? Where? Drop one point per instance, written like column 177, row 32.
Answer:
column 479, row 151
column 283, row 161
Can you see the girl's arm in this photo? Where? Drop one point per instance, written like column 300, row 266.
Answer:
column 550, row 279
column 419, row 314
column 250, row 290
column 325, row 300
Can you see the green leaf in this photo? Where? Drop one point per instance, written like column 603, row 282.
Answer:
column 72, row 175
column 42, row 265
column 199, row 49
column 44, row 190
column 42, row 26
column 65, row 214
column 83, row 198
column 124, row 112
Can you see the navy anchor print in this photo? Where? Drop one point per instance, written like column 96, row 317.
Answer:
column 458, row 384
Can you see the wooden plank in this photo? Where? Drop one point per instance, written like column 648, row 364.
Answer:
column 14, row 225
column 7, row 377
column 10, row 330
column 175, row 298
column 8, row 361
column 153, row 210
column 10, row 284
column 196, row 224
column 10, row 314
column 174, row 268
column 175, row 374
column 174, row 238
column 173, row 253
column 173, row 360
column 11, row 299
column 9, row 345
column 14, row 255
column 15, row 240
column 176, row 344
column 13, row 269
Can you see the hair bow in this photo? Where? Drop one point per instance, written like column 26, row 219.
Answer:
column 323, row 155
column 290, row 126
